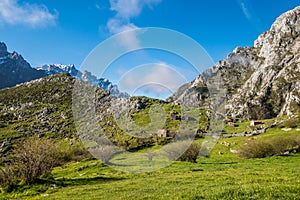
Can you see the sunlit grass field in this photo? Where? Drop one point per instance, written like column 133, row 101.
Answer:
column 222, row 175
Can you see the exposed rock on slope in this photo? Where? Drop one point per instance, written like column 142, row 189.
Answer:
column 261, row 81
column 40, row 107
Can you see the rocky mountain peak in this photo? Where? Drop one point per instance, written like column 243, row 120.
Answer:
column 284, row 32
column 14, row 69
column 261, row 81
column 59, row 68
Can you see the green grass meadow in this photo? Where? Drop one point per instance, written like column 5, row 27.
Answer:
column 221, row 175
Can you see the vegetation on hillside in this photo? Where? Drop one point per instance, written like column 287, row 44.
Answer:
column 42, row 110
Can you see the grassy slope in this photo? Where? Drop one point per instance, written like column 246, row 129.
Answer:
column 218, row 177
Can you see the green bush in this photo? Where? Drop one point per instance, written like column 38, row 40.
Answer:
column 273, row 147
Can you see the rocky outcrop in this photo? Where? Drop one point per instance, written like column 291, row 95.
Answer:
column 273, row 88
column 262, row 81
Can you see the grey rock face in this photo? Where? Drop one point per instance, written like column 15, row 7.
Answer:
column 261, row 81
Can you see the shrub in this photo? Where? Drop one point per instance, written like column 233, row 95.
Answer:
column 191, row 154
column 31, row 159
column 35, row 157
column 174, row 151
column 276, row 146
column 290, row 123
column 256, row 149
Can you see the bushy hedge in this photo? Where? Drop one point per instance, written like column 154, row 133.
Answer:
column 272, row 147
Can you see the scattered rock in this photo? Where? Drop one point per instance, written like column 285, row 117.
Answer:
column 233, row 151
column 286, row 129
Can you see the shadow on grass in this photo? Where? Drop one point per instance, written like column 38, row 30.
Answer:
column 117, row 164
column 218, row 163
column 63, row 182
column 44, row 184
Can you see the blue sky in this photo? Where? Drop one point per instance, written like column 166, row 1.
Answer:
column 65, row 31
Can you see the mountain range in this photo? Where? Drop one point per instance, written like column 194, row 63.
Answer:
column 14, row 69
column 262, row 81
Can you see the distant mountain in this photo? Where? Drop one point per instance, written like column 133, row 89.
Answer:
column 14, row 69
column 59, row 68
column 84, row 76
column 261, row 81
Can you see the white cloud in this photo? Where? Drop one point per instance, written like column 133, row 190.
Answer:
column 13, row 13
column 128, row 39
column 152, row 78
column 125, row 10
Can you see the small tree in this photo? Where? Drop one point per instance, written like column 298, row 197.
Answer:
column 191, row 154
column 105, row 152
column 176, row 151
column 150, row 155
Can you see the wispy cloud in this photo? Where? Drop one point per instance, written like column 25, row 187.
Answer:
column 156, row 79
column 33, row 15
column 125, row 11
column 249, row 13
column 245, row 10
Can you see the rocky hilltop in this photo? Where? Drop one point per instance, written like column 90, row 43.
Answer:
column 262, row 81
